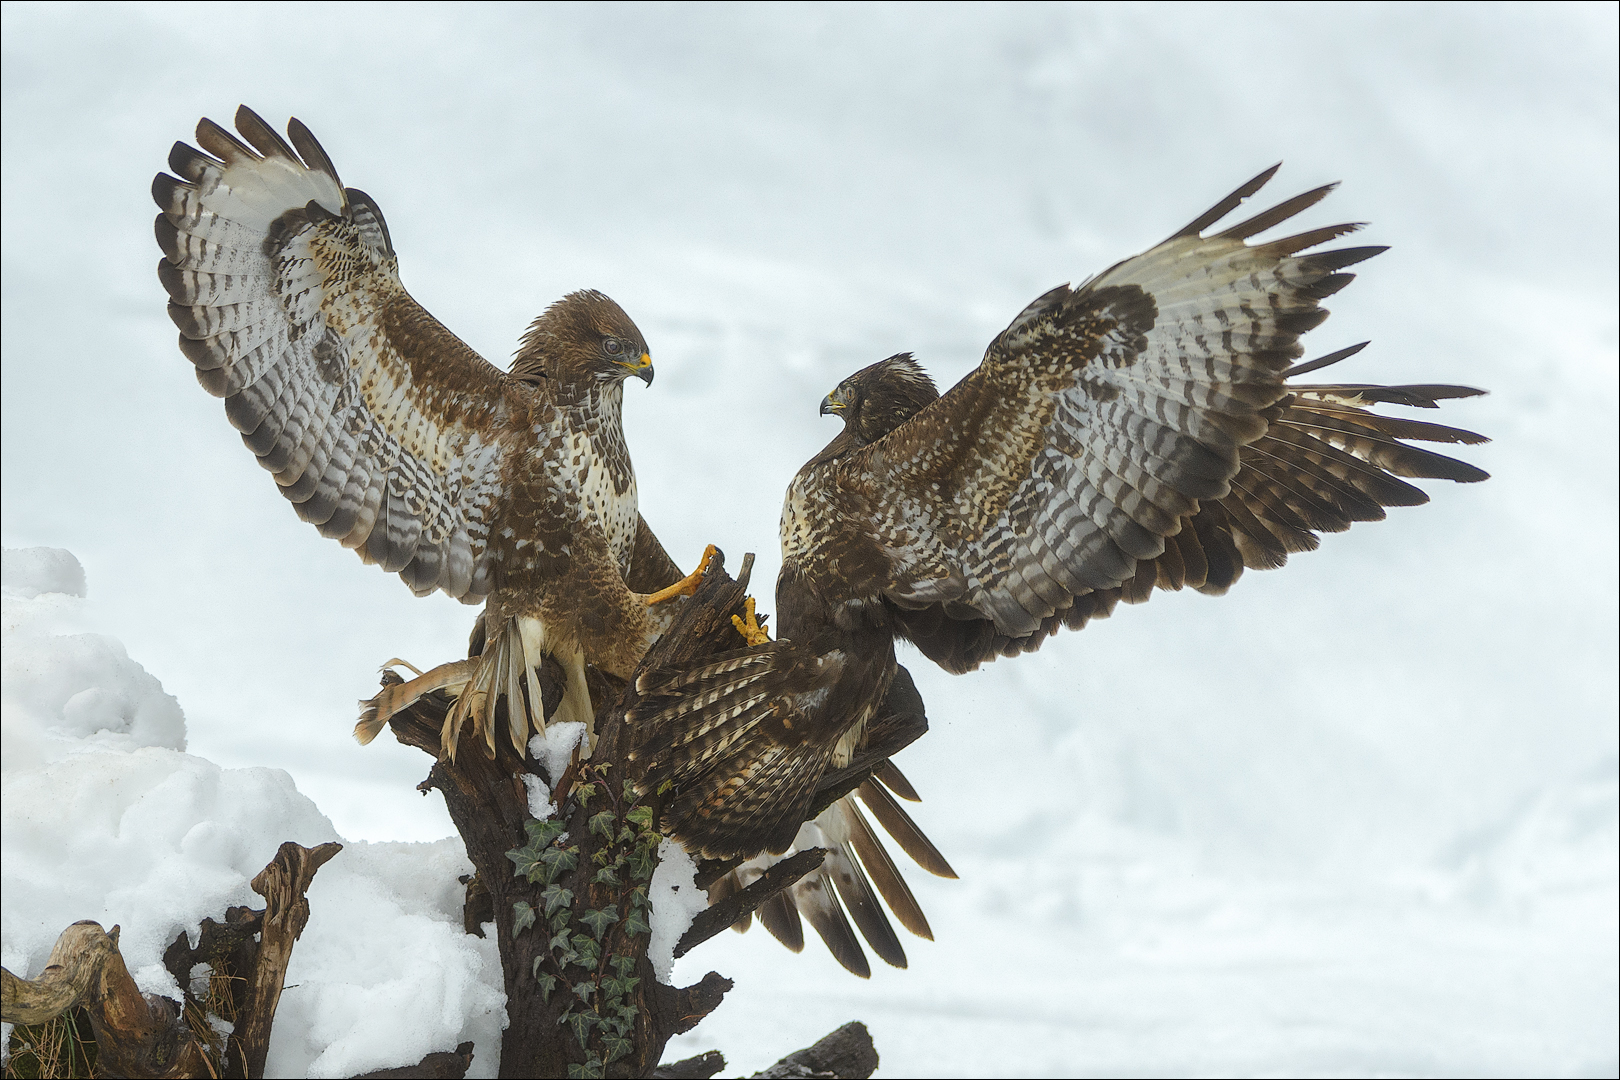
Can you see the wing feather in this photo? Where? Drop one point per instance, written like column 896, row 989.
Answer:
column 377, row 422
column 1136, row 433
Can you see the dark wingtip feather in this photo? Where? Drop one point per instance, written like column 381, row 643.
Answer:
column 263, row 137
column 221, row 143
column 165, row 189
column 1277, row 214
column 1226, row 205
column 168, row 237
column 1325, row 361
column 310, row 149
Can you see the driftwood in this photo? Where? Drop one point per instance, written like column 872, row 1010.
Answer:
column 847, row 1052
column 147, row 1035
column 136, row 1034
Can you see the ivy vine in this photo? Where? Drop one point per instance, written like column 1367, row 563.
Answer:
column 591, row 955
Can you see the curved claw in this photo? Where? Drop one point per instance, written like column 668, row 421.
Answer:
column 749, row 627
column 688, row 584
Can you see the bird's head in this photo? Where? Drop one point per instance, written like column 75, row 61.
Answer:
column 877, row 399
column 580, row 341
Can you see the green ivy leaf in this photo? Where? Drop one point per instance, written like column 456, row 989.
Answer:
column 522, row 917
column 556, row 897
column 640, row 816
column 547, row 982
column 523, row 860
column 559, row 860
column 642, row 864
column 606, row 876
column 559, row 921
column 585, row 793
column 542, row 833
column 587, row 952
column 591, row 1070
column 602, row 824
column 581, row 1023
column 665, row 786
column 629, row 791
column 583, row 991
column 636, row 923
column 600, row 920
column 624, row 965
column 616, row 1047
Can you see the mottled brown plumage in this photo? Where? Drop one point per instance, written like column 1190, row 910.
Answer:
column 389, row 434
column 1139, row 432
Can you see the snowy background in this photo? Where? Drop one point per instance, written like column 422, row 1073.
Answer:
column 1359, row 816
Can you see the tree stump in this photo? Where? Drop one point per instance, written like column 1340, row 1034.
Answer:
column 568, row 896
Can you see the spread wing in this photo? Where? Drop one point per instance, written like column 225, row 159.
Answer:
column 1136, row 432
column 380, row 425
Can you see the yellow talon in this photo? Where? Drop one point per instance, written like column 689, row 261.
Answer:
column 688, row 584
column 750, row 629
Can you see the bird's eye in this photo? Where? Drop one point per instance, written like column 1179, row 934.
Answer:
column 612, row 346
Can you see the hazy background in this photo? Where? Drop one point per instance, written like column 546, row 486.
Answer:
column 1359, row 815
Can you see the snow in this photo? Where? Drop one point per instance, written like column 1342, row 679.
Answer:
column 106, row 817
column 1356, row 817
column 554, row 748
column 675, row 901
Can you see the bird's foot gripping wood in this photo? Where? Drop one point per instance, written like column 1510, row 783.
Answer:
column 688, row 584
column 748, row 625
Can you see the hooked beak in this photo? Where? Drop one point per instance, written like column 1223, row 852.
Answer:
column 832, row 404
column 641, row 368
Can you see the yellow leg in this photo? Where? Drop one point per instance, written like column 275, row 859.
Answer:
column 688, row 584
column 750, row 629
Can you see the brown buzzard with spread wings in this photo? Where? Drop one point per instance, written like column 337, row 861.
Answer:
column 389, row 434
column 1143, row 431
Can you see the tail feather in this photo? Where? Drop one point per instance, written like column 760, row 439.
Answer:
column 839, row 824
column 781, row 918
column 893, row 779
column 884, row 874
column 815, row 897
column 857, row 881
column 899, row 825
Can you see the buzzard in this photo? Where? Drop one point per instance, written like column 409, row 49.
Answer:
column 1143, row 431
column 389, row 434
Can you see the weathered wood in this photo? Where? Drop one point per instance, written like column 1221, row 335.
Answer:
column 136, row 1035
column 846, row 1053
column 476, row 907
column 283, row 884
column 721, row 914
column 75, row 961
column 700, row 1067
column 439, row 1065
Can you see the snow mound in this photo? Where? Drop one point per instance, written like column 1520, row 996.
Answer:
column 104, row 816
column 28, row 572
